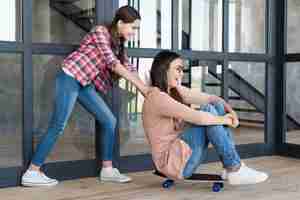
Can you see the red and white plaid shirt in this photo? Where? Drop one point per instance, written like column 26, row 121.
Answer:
column 93, row 60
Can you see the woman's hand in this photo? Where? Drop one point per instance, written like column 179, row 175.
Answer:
column 145, row 90
column 235, row 119
column 132, row 77
column 227, row 108
column 231, row 120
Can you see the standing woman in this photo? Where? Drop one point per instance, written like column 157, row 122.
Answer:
column 85, row 73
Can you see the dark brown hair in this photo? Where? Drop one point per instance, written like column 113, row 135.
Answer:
column 158, row 72
column 128, row 15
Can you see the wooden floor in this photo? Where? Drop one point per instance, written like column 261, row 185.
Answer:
column 283, row 184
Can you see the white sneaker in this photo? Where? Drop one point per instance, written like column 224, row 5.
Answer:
column 113, row 175
column 224, row 175
column 33, row 178
column 246, row 175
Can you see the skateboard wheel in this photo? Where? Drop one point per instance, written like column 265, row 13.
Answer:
column 217, row 187
column 168, row 183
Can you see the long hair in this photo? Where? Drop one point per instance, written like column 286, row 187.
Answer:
column 158, row 73
column 128, row 15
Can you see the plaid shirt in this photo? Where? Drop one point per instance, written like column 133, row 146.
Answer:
column 92, row 62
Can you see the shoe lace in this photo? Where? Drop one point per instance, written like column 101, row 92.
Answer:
column 117, row 172
column 44, row 176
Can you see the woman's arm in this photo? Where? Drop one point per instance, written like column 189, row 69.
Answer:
column 194, row 96
column 167, row 106
column 130, row 76
column 101, row 39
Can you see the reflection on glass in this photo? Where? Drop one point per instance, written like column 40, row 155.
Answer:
column 11, row 20
column 204, row 81
column 132, row 136
column 155, row 27
column 11, row 110
column 253, row 73
column 77, row 142
column 184, row 32
column 293, row 103
column 246, row 96
column 206, row 24
column 62, row 21
column 247, row 26
column 211, row 79
column 293, row 26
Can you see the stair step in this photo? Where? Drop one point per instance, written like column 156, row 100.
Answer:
column 235, row 98
column 85, row 14
column 213, row 84
column 245, row 110
column 65, row 1
column 251, row 121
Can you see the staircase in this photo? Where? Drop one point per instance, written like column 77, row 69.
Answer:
column 246, row 92
column 71, row 9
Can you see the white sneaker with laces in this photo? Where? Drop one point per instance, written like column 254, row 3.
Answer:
column 33, row 178
column 246, row 175
column 113, row 175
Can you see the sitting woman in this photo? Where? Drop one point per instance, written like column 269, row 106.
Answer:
column 179, row 135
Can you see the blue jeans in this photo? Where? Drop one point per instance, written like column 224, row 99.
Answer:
column 198, row 138
column 67, row 91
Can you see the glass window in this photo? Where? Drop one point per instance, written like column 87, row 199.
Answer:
column 132, row 136
column 202, row 79
column 184, row 27
column 11, row 110
column 62, row 21
column 247, row 26
column 293, row 103
column 11, row 20
column 247, row 98
column 210, row 79
column 78, row 140
column 155, row 27
column 205, row 17
column 293, row 24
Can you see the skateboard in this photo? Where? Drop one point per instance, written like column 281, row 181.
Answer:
column 216, row 180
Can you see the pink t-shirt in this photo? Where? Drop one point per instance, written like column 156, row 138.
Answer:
column 169, row 153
